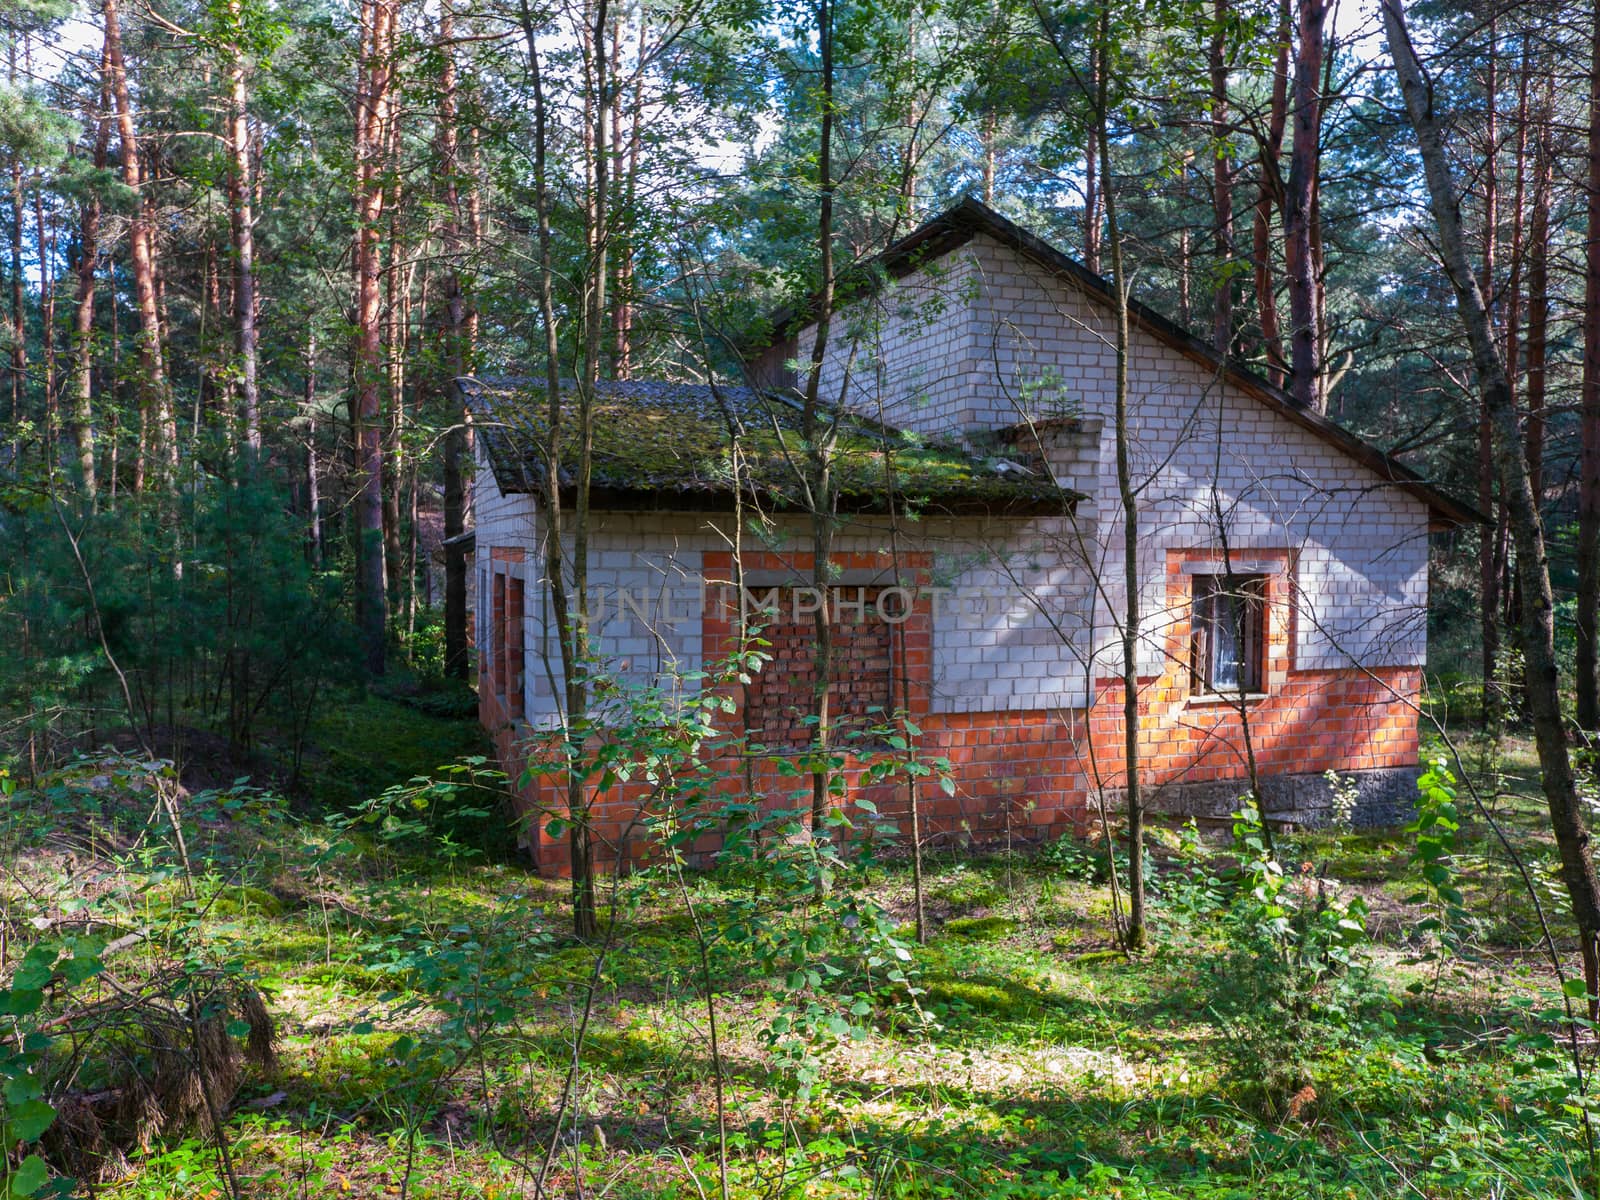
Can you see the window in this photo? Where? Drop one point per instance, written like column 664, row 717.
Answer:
column 516, row 660
column 1229, row 627
column 480, row 624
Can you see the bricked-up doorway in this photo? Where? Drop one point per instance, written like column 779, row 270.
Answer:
column 865, row 686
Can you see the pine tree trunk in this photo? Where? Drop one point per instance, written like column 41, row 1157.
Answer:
column 1539, row 302
column 1091, row 184
column 19, row 314
column 313, row 467
column 1533, row 569
column 1588, row 622
column 1305, row 334
column 1488, row 572
column 83, row 433
column 395, row 325
column 585, row 908
column 1128, row 495
column 1270, row 195
column 159, row 430
column 815, row 431
column 986, row 136
column 1221, row 185
column 454, row 361
column 241, row 221
column 374, row 77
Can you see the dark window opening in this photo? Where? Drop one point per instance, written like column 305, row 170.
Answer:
column 1229, row 627
column 497, row 638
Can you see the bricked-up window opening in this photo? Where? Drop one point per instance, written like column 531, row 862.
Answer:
column 861, row 693
column 516, row 660
column 497, row 639
column 1229, row 633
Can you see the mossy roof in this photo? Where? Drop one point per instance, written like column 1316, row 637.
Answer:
column 671, row 445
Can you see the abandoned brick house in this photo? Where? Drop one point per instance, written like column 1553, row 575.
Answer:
column 1283, row 563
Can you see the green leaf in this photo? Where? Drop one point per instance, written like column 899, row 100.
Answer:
column 19, row 1002
column 29, row 1177
column 35, row 970
column 1575, row 989
column 31, row 1118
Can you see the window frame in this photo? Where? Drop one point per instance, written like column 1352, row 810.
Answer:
column 1252, row 589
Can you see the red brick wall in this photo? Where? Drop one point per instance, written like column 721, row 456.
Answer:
column 1033, row 773
column 861, row 689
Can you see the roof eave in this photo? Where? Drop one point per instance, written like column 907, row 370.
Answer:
column 709, row 499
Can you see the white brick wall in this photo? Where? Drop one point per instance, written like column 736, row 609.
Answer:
column 982, row 341
column 1032, row 345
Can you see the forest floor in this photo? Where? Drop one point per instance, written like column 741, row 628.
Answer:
column 428, row 1000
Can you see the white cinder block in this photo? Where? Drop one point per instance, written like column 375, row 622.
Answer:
column 984, row 338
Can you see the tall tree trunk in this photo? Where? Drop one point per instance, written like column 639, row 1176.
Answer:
column 1539, row 299
column 571, row 630
column 986, row 138
column 1128, row 495
column 1305, row 335
column 19, row 313
column 313, row 468
column 453, row 358
column 83, row 434
column 397, row 286
column 241, row 222
column 1221, row 184
column 1270, row 194
column 1091, row 182
column 1533, row 568
column 585, row 909
column 1185, row 315
column 45, row 235
column 1588, row 622
column 816, row 429
column 1488, row 571
column 213, row 401
column 159, row 429
column 626, row 149
column 374, row 81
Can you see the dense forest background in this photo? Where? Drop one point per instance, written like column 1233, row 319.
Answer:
column 263, row 925
column 250, row 245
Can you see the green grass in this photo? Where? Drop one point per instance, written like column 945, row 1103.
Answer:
column 1052, row 1065
column 369, row 743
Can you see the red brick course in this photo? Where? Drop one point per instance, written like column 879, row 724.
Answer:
column 1034, row 772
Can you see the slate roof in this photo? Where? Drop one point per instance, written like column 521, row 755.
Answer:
column 669, row 446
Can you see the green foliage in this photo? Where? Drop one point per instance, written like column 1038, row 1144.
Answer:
column 1087, row 861
column 1435, row 829
column 1292, row 979
column 25, row 1111
column 223, row 624
column 440, row 815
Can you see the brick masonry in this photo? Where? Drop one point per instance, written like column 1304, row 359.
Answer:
column 861, row 688
column 1012, row 655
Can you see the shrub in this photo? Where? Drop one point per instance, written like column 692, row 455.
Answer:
column 211, row 616
column 1293, row 978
